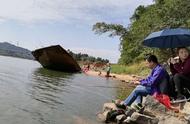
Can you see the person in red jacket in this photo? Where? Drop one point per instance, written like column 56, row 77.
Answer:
column 181, row 71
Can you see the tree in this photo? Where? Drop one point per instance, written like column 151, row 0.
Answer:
column 145, row 20
column 115, row 29
column 86, row 57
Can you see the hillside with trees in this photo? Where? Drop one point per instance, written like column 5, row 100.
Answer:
column 86, row 58
column 145, row 20
column 7, row 49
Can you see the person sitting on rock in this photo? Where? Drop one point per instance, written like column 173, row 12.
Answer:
column 180, row 70
column 149, row 85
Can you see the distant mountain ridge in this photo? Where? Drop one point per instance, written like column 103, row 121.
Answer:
column 7, row 49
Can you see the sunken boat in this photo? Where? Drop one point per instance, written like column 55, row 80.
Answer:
column 56, row 58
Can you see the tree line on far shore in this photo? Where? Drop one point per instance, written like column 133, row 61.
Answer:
column 145, row 20
column 86, row 58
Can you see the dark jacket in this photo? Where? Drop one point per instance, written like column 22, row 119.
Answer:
column 181, row 67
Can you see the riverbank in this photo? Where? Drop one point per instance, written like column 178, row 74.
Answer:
column 121, row 77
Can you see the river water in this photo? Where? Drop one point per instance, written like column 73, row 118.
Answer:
column 30, row 94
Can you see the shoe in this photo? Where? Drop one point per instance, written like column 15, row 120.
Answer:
column 122, row 106
column 138, row 107
column 119, row 104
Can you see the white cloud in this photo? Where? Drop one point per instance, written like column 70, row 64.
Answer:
column 75, row 12
column 67, row 10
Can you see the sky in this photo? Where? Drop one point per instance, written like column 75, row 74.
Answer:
column 33, row 24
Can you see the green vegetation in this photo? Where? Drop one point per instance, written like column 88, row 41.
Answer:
column 138, row 69
column 86, row 58
column 162, row 14
column 122, row 93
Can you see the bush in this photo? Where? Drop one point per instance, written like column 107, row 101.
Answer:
column 137, row 69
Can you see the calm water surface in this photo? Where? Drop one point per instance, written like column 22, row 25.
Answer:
column 30, row 94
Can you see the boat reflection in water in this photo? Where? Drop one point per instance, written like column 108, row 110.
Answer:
column 48, row 86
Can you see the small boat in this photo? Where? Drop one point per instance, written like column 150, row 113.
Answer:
column 56, row 58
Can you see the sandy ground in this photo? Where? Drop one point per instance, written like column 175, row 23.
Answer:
column 121, row 77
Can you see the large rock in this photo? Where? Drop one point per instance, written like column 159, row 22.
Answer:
column 107, row 107
column 165, row 115
column 172, row 120
column 152, row 105
column 154, row 113
column 185, row 108
column 143, row 119
column 102, row 116
column 120, row 118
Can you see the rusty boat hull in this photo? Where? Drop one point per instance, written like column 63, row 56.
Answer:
column 56, row 58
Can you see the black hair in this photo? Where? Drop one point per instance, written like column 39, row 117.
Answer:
column 179, row 48
column 152, row 58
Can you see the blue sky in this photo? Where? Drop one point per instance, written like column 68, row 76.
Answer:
column 38, row 23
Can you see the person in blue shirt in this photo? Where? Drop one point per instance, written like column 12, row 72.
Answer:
column 149, row 85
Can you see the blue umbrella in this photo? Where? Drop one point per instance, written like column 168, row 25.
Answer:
column 168, row 38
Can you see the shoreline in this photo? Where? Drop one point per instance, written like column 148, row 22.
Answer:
column 120, row 77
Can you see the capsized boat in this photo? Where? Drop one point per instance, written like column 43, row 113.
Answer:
column 56, row 58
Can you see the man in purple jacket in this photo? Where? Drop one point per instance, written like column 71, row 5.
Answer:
column 150, row 84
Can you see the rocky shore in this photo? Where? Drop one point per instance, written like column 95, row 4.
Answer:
column 153, row 112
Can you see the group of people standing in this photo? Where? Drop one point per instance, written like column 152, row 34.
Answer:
column 160, row 82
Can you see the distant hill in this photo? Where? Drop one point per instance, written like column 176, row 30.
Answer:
column 8, row 49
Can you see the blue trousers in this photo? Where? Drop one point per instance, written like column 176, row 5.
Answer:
column 137, row 95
